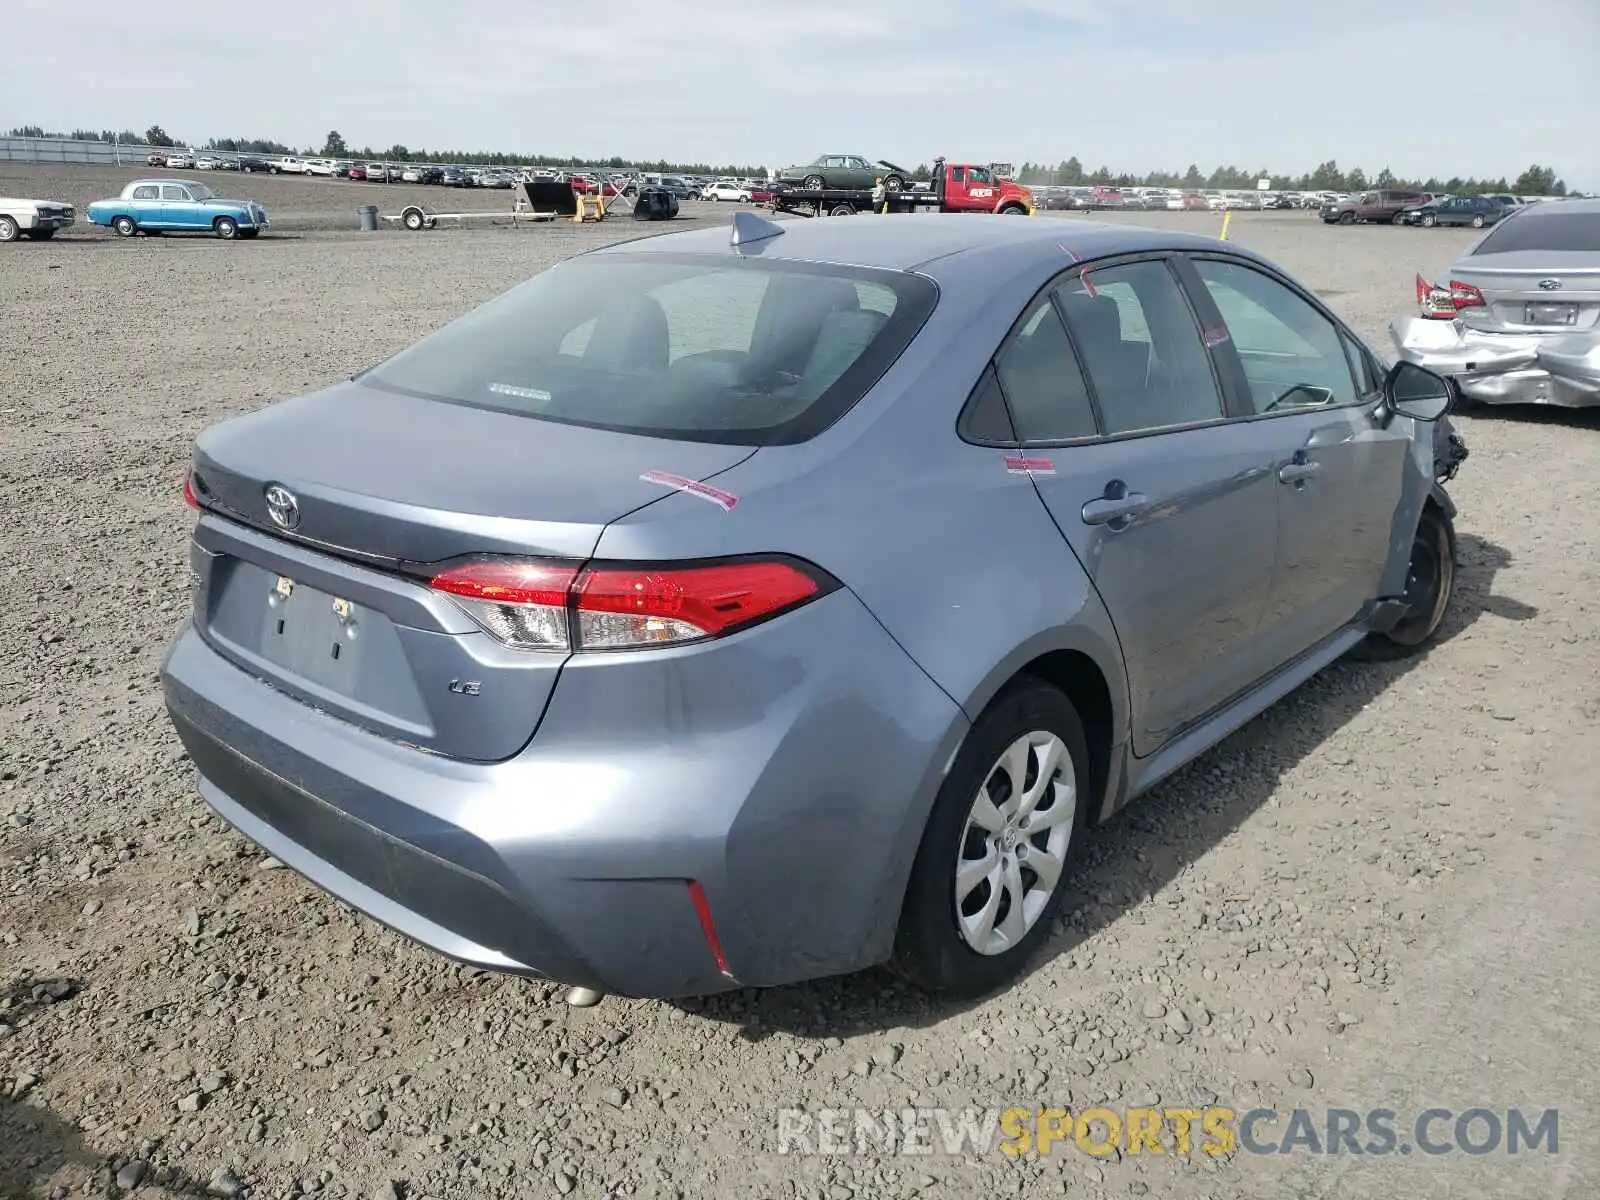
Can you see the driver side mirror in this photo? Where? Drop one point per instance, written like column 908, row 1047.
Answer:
column 1417, row 392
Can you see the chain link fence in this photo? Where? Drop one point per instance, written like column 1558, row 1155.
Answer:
column 68, row 152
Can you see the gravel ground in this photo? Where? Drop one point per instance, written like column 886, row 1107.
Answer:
column 1381, row 893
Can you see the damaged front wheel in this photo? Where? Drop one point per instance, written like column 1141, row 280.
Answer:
column 1430, row 582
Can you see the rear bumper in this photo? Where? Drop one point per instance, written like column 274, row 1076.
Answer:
column 788, row 771
column 1561, row 369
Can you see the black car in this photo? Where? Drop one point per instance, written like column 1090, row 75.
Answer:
column 1476, row 211
column 252, row 163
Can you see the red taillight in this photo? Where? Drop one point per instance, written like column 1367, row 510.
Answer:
column 521, row 603
column 532, row 605
column 639, row 606
column 509, row 581
column 189, row 497
column 1444, row 303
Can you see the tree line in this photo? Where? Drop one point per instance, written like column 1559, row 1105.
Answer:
column 1328, row 177
column 1537, row 180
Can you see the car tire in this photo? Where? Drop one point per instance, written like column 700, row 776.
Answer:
column 1429, row 221
column 933, row 944
column 1430, row 584
column 814, row 183
column 1013, row 210
column 124, row 226
column 414, row 219
column 1347, row 218
column 894, row 183
column 9, row 229
column 225, row 228
column 1477, row 221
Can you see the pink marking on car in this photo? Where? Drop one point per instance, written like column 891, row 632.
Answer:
column 1215, row 337
column 1021, row 464
column 693, row 487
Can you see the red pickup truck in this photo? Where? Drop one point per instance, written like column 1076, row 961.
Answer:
column 956, row 187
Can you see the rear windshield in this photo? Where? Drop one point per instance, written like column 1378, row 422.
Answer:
column 1544, row 231
column 712, row 349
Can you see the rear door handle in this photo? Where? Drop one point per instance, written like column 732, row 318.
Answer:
column 1296, row 472
column 1104, row 511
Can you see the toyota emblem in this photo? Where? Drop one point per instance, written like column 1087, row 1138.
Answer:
column 1549, row 285
column 282, row 506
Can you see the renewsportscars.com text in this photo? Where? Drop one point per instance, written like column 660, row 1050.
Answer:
column 1215, row 1130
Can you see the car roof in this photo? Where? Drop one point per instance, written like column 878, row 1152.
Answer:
column 1545, row 207
column 165, row 179
column 908, row 242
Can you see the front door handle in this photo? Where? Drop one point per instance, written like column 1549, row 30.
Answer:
column 1298, row 470
column 1105, row 511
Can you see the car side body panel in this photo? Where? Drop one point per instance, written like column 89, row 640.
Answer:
column 958, row 518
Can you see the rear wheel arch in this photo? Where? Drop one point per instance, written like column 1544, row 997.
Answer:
column 1088, row 671
column 1080, row 679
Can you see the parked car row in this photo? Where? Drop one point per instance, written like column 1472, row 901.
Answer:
column 590, row 182
column 1154, row 199
column 1408, row 206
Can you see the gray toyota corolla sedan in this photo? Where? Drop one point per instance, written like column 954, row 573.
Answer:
column 741, row 606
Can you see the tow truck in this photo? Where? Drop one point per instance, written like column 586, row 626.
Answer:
column 956, row 187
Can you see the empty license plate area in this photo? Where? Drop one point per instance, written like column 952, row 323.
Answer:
column 460, row 694
column 287, row 630
column 1551, row 314
column 312, row 634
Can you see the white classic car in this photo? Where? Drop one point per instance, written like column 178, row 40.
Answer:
column 36, row 219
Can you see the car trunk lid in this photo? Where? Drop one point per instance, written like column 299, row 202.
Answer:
column 1523, row 293
column 385, row 488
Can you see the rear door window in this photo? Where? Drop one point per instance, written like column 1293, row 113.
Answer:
column 1141, row 347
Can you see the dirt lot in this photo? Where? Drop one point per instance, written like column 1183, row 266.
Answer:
column 1383, row 893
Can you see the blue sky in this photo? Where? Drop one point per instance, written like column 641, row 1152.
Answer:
column 1468, row 86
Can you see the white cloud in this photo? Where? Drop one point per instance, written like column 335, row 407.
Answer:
column 1478, row 86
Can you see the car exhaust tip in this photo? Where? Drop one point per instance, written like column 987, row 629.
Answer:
column 582, row 997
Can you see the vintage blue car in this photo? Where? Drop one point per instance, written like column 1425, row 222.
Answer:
column 177, row 206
